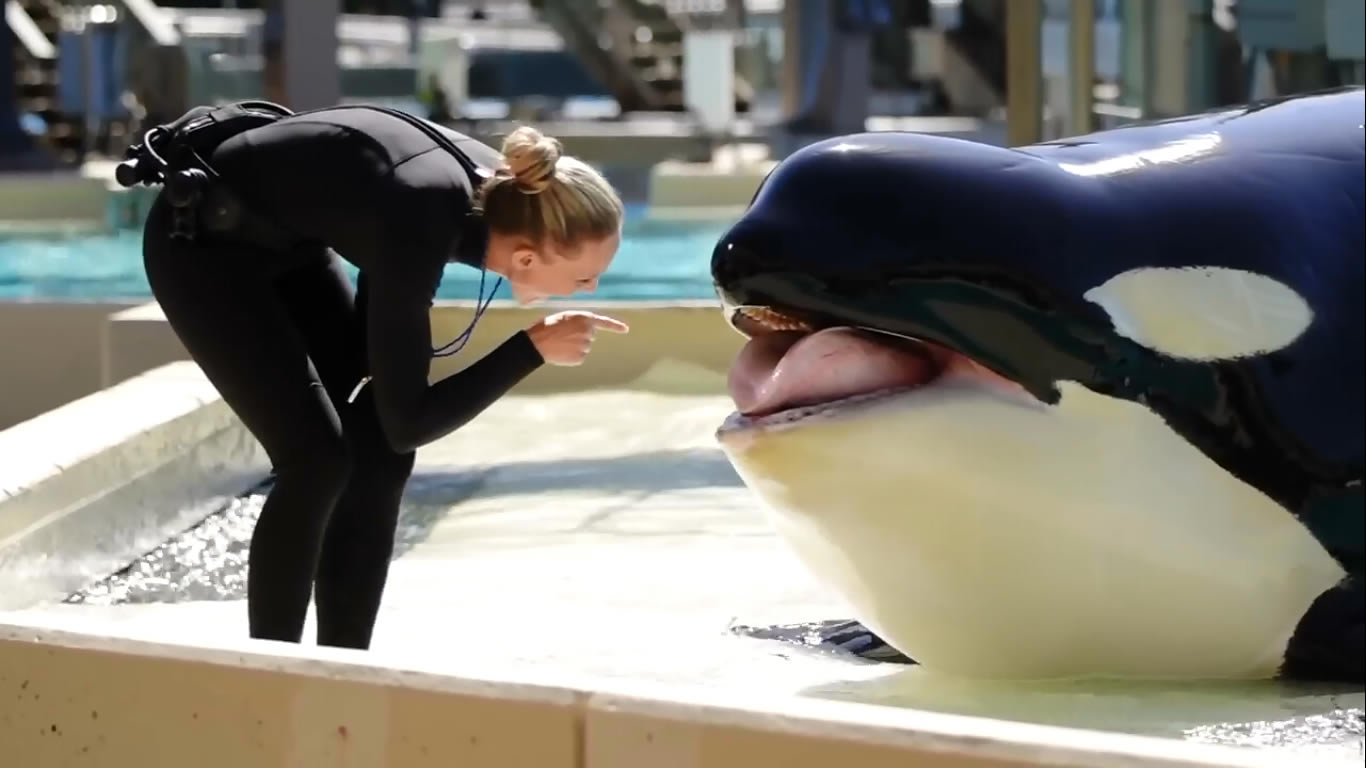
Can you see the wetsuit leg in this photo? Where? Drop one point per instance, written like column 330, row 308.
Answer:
column 359, row 542
column 235, row 326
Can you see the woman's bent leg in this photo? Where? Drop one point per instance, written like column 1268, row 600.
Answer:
column 238, row 331
column 359, row 542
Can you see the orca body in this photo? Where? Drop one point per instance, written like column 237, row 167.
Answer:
column 1091, row 407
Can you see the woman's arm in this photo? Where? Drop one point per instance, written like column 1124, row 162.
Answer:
column 413, row 413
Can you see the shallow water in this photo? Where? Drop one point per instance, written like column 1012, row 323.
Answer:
column 1320, row 720
column 208, row 561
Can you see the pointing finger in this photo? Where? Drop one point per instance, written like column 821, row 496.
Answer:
column 608, row 323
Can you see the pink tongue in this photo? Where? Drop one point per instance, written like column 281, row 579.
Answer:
column 782, row 370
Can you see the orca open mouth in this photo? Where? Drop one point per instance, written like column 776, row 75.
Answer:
column 793, row 368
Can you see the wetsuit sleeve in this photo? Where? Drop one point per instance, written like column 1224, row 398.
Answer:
column 412, row 412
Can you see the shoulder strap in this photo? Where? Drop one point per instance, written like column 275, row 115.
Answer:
column 205, row 128
column 476, row 173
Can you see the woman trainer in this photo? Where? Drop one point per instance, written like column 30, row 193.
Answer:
column 333, row 381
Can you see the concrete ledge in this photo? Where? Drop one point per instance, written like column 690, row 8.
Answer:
column 62, row 350
column 699, row 212
column 53, row 198
column 697, row 728
column 710, row 187
column 52, row 353
column 679, row 347
column 79, row 700
column 91, row 485
column 75, row 699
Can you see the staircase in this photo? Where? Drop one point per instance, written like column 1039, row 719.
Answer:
column 36, row 24
column 634, row 47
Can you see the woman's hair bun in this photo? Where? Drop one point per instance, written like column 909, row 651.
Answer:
column 531, row 157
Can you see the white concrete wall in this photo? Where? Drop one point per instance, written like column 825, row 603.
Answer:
column 50, row 354
column 82, row 701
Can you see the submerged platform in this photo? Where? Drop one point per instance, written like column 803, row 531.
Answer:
column 603, row 535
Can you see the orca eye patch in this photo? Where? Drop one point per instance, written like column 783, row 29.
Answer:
column 1203, row 313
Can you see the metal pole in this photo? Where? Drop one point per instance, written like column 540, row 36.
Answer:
column 88, row 74
column 1081, row 66
column 312, row 77
column 1024, row 72
column 1202, row 70
column 415, row 10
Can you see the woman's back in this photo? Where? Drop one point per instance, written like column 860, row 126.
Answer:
column 367, row 183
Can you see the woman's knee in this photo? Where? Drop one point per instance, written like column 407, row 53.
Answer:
column 383, row 468
column 324, row 463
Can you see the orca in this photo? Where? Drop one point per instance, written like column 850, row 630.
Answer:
column 1085, row 408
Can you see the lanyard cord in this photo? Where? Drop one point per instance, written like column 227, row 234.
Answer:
column 458, row 343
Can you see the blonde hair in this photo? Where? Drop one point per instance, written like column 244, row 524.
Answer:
column 544, row 195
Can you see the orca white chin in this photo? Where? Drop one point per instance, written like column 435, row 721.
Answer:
column 986, row 534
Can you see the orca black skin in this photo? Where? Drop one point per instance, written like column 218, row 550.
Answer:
column 989, row 251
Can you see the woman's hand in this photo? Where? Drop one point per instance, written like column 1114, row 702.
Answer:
column 564, row 338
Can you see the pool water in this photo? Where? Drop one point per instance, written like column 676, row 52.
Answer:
column 657, row 260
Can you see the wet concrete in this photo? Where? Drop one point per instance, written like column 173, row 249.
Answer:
column 605, row 534
column 208, row 561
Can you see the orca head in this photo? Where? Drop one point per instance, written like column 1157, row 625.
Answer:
column 972, row 247
column 1033, row 271
column 985, row 397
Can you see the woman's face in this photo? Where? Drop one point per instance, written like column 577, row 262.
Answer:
column 539, row 274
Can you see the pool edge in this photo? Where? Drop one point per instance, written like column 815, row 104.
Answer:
column 247, row 702
column 108, row 476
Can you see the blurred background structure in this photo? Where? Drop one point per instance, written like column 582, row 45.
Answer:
column 684, row 104
column 86, row 76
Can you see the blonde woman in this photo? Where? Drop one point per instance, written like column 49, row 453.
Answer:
column 333, row 380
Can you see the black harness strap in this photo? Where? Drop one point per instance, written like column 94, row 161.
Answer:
column 173, row 155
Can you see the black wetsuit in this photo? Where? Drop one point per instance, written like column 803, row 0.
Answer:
column 285, row 339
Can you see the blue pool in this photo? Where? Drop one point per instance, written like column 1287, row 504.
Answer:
column 657, row 260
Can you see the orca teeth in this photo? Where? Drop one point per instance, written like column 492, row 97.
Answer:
column 773, row 320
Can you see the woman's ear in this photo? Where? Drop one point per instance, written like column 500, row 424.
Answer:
column 527, row 254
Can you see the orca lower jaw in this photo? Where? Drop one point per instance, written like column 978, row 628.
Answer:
column 793, row 369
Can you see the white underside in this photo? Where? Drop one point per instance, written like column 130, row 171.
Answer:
column 984, row 534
